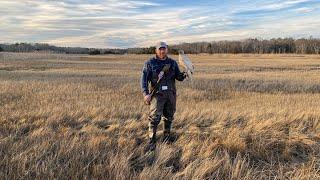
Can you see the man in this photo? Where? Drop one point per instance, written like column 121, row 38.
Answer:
column 163, row 101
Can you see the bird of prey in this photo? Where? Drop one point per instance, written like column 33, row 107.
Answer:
column 186, row 63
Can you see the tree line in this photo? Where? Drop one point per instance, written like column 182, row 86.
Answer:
column 43, row 47
column 257, row 46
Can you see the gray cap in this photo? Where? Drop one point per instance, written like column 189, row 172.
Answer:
column 161, row 45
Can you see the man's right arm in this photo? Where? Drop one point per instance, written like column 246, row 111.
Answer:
column 180, row 76
column 145, row 78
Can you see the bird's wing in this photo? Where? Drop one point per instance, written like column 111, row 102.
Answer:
column 188, row 63
column 181, row 62
column 185, row 62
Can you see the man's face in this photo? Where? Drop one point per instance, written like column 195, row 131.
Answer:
column 162, row 52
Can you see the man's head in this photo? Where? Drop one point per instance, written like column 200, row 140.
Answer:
column 162, row 50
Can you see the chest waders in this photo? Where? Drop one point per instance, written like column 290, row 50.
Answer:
column 163, row 103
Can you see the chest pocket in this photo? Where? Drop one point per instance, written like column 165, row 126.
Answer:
column 170, row 74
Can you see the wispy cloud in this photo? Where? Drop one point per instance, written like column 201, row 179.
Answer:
column 129, row 23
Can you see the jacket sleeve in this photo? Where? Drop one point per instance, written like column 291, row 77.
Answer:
column 145, row 77
column 178, row 74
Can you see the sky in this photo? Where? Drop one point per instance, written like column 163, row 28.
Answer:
column 142, row 23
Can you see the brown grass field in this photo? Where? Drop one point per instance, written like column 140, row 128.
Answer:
column 243, row 117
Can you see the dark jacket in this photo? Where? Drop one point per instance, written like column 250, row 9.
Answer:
column 152, row 68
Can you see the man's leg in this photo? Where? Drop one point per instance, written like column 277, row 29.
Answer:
column 168, row 113
column 156, row 111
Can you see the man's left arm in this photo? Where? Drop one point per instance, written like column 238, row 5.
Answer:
column 180, row 76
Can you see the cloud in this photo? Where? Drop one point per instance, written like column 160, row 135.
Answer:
column 282, row 4
column 304, row 10
column 129, row 23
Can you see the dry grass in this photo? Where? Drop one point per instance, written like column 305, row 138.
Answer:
column 244, row 117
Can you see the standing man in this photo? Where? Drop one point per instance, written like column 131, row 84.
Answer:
column 163, row 100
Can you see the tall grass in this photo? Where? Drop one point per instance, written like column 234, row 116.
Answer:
column 84, row 118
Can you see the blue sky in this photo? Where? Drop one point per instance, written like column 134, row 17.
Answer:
column 134, row 23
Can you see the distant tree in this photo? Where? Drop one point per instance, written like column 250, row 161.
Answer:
column 94, row 52
column 1, row 49
column 151, row 50
column 173, row 51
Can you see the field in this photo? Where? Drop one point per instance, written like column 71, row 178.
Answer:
column 243, row 117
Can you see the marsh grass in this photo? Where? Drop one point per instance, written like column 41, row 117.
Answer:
column 243, row 117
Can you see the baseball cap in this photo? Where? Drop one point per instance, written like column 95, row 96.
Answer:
column 161, row 45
